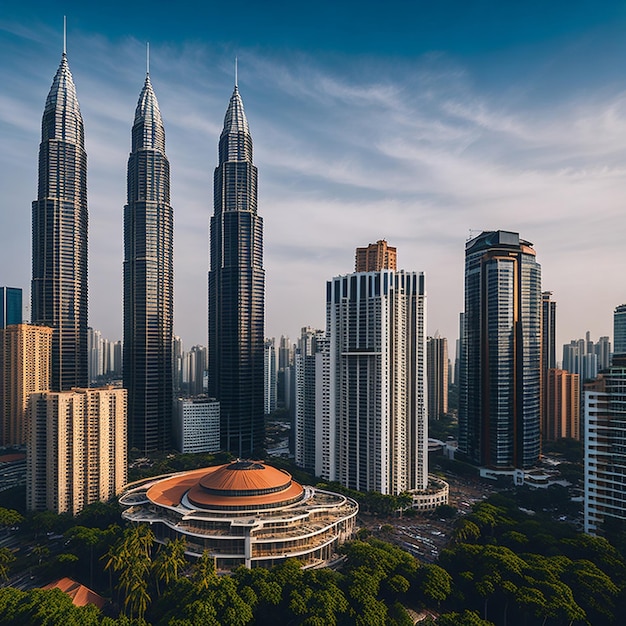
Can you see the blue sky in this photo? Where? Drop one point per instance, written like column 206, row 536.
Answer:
column 418, row 122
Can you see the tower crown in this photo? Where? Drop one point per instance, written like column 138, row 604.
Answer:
column 235, row 141
column 148, row 132
column 61, row 117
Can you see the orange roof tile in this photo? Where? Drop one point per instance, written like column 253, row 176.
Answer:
column 80, row 594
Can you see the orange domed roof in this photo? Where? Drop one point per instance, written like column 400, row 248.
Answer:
column 236, row 486
column 245, row 478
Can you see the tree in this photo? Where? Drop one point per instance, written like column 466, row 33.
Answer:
column 6, row 558
column 169, row 560
column 88, row 537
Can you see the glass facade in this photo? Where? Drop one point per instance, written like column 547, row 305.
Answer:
column 10, row 306
column 148, row 281
column 499, row 416
column 59, row 284
column 237, row 291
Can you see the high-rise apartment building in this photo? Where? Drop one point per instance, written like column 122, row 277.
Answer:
column 562, row 415
column 148, row 281
column 437, row 373
column 59, row 229
column 237, row 290
column 376, row 423
column 305, row 439
column 10, row 306
column 77, row 448
column 605, row 452
column 24, row 369
column 548, row 355
column 499, row 412
column 375, row 257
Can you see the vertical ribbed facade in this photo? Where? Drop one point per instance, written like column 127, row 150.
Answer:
column 377, row 402
column 148, row 281
column 237, row 290
column 59, row 229
column 499, row 412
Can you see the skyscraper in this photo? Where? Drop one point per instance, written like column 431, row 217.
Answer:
column 376, row 419
column 148, row 281
column 548, row 356
column 10, row 306
column 499, row 413
column 619, row 330
column 59, row 285
column 237, row 290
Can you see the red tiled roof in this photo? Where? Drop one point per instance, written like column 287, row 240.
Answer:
column 80, row 594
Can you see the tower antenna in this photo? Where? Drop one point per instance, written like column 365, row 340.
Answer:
column 147, row 57
column 236, row 72
column 65, row 34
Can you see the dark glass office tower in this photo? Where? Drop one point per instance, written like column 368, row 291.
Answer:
column 10, row 306
column 499, row 412
column 237, row 290
column 148, row 281
column 59, row 285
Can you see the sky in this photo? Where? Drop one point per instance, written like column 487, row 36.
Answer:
column 422, row 123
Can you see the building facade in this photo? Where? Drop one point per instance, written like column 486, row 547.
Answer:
column 270, row 376
column 59, row 234
column 197, row 425
column 437, row 368
column 377, row 405
column 77, row 452
column 25, row 354
column 499, row 403
column 562, row 416
column 619, row 329
column 605, row 451
column 237, row 290
column 148, row 281
column 10, row 306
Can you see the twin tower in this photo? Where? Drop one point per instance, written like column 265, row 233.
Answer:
column 236, row 276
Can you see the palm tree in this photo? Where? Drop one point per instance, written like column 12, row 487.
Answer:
column 169, row 561
column 6, row 558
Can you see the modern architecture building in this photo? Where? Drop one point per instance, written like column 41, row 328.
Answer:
column 375, row 257
column 194, row 371
column 305, row 436
column 244, row 513
column 437, row 368
column 59, row 229
column 197, row 425
column 376, row 422
column 285, row 387
column 10, row 306
column 605, row 452
column 499, row 403
column 77, row 451
column 562, row 415
column 25, row 353
column 237, row 290
column 148, row 281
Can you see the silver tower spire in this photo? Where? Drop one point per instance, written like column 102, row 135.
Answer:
column 148, row 280
column 59, row 284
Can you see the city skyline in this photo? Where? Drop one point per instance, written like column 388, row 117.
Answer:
column 411, row 135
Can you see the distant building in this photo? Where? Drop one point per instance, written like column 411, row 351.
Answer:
column 500, row 392
column 375, row 257
column 305, row 436
column 77, row 452
column 194, row 371
column 197, row 425
column 376, row 425
column 562, row 417
column 270, row 376
column 10, row 306
column 25, row 368
column 438, row 376
column 605, row 452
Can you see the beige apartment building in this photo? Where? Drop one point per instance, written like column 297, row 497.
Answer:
column 77, row 449
column 25, row 369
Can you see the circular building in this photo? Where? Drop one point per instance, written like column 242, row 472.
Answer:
column 244, row 513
